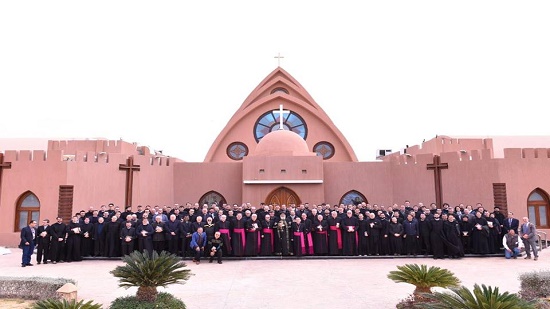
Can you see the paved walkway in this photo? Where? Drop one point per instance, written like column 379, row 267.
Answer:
column 273, row 284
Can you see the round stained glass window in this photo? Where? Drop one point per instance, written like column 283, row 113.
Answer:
column 270, row 121
column 324, row 149
column 237, row 150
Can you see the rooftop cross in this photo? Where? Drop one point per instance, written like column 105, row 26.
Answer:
column 279, row 57
column 281, row 112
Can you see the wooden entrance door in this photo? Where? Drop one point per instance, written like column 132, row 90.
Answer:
column 282, row 196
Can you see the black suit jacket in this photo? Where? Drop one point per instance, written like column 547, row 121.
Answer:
column 46, row 239
column 514, row 226
column 26, row 236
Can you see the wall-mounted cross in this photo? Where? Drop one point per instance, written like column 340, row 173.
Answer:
column 437, row 166
column 281, row 113
column 129, row 168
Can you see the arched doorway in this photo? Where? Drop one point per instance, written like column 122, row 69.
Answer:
column 537, row 208
column 282, row 196
column 212, row 197
column 353, row 197
column 27, row 209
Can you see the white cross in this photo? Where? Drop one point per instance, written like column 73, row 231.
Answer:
column 281, row 112
column 279, row 57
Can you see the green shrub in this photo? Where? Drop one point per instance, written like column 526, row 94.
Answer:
column 163, row 301
column 482, row 297
column 64, row 304
column 535, row 285
column 424, row 278
column 147, row 272
column 31, row 287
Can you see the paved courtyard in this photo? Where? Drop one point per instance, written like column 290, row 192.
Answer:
column 266, row 284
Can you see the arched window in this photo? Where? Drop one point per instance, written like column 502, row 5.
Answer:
column 353, row 197
column 28, row 208
column 537, row 208
column 212, row 197
column 270, row 121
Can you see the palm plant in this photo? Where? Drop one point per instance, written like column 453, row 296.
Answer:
column 64, row 304
column 424, row 278
column 482, row 298
column 148, row 272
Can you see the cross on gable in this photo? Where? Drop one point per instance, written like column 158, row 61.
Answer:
column 129, row 168
column 281, row 112
column 437, row 166
column 278, row 57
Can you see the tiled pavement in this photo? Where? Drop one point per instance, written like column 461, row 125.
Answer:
column 289, row 283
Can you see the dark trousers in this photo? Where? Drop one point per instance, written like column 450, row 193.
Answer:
column 218, row 254
column 411, row 244
column 127, row 247
column 198, row 254
column 43, row 251
column 27, row 252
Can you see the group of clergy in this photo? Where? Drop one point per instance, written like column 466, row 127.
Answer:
column 351, row 230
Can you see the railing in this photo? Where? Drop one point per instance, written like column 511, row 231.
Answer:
column 543, row 241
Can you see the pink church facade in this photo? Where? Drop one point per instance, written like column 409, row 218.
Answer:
column 253, row 161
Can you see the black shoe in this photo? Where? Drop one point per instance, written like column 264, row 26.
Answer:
column 30, row 264
column 210, row 261
column 536, row 258
column 527, row 257
column 219, row 262
column 38, row 263
column 44, row 263
column 23, row 265
column 515, row 257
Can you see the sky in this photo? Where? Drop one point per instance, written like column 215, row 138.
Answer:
column 170, row 74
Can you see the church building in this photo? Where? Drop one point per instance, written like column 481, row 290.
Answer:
column 279, row 147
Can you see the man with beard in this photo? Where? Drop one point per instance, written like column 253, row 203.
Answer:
column 57, row 246
column 480, row 234
column 436, row 230
column 451, row 238
column 282, row 236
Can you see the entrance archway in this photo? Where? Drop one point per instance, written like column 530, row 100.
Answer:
column 282, row 196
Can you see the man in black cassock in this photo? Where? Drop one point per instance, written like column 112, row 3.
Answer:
column 57, row 245
column 349, row 231
column 451, row 238
column 282, row 236
column 112, row 237
column 74, row 234
column 86, row 241
column 172, row 234
column 436, row 230
column 320, row 235
column 128, row 236
column 267, row 235
column 99, row 237
column 373, row 231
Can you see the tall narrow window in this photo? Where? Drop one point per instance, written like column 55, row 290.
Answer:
column 28, row 208
column 537, row 208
